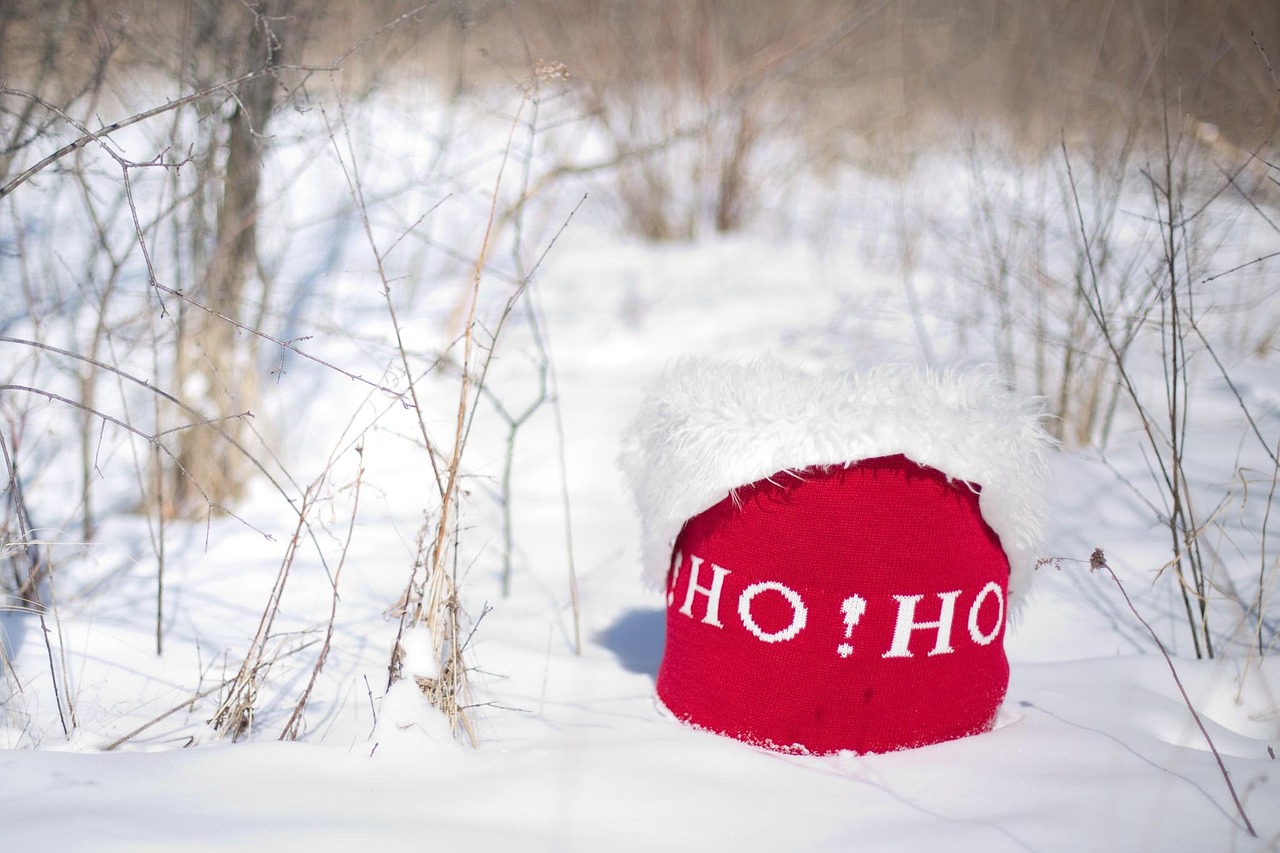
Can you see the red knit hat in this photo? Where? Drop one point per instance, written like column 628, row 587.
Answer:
column 855, row 545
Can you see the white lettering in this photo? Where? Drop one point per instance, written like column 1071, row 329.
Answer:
column 853, row 607
column 907, row 623
column 712, row 616
column 799, row 613
column 974, row 631
column 674, row 579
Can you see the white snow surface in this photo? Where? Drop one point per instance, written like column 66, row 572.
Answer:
column 1094, row 748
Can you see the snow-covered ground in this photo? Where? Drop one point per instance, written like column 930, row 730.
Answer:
column 1094, row 748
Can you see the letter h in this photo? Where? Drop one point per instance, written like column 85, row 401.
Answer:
column 907, row 623
column 712, row 616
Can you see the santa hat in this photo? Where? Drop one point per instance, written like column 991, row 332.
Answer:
column 840, row 552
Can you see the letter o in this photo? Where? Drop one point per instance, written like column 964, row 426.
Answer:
column 974, row 631
column 800, row 613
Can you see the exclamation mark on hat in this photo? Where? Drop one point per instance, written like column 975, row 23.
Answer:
column 852, row 608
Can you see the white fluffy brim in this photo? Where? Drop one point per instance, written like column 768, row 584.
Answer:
column 707, row 428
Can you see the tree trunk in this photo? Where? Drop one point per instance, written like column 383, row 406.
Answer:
column 216, row 356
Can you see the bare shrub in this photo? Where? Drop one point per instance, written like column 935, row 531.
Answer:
column 176, row 277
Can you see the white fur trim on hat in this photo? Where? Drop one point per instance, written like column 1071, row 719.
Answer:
column 707, row 428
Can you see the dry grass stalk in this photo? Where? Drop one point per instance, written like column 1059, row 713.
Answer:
column 1098, row 562
column 293, row 726
column 438, row 608
column 433, row 603
column 1168, row 444
column 235, row 713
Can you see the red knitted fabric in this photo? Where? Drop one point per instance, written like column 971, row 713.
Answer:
column 858, row 608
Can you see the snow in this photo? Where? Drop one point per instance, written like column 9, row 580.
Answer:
column 1094, row 748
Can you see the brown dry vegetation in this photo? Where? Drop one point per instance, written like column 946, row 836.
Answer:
column 1037, row 65
column 875, row 83
column 857, row 66
column 869, row 81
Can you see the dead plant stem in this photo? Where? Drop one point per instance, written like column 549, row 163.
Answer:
column 293, row 726
column 1098, row 561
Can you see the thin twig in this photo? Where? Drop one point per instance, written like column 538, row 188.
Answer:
column 293, row 725
column 356, row 187
column 1098, row 560
column 395, row 22
column 235, row 715
column 1222, row 370
column 150, row 439
column 175, row 709
column 1271, row 72
column 53, row 673
column 89, row 136
column 1245, row 265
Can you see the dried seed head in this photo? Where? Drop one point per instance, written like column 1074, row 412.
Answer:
column 550, row 72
